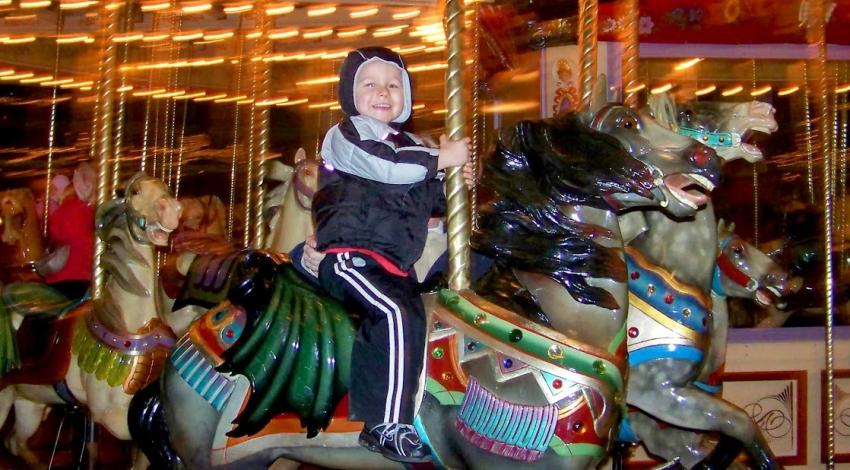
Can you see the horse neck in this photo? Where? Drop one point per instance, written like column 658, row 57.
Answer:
column 133, row 309
column 716, row 356
column 565, row 313
column 294, row 223
column 686, row 249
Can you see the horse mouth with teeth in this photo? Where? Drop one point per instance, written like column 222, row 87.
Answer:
column 690, row 189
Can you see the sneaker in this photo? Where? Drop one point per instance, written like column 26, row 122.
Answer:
column 399, row 442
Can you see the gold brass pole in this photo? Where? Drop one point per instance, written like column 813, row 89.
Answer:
column 816, row 36
column 631, row 51
column 263, row 79
column 109, row 24
column 588, row 11
column 457, row 197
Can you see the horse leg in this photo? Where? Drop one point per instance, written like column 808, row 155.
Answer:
column 692, row 408
column 7, row 399
column 28, row 417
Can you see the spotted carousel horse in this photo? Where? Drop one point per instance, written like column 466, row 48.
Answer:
column 21, row 245
column 733, row 130
column 671, row 320
column 263, row 373
column 98, row 353
column 741, row 271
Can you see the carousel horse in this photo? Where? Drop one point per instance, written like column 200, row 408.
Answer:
column 204, row 214
column 102, row 352
column 741, row 271
column 294, row 221
column 502, row 391
column 672, row 266
column 21, row 245
column 733, row 130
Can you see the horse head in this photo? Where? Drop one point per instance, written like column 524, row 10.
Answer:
column 205, row 214
column 13, row 212
column 733, row 130
column 685, row 170
column 20, row 223
column 745, row 272
column 152, row 213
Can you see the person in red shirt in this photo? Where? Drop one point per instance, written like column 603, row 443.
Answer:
column 70, row 228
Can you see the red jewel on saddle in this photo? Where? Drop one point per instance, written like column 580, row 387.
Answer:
column 635, row 275
column 633, row 332
column 557, row 383
column 668, row 299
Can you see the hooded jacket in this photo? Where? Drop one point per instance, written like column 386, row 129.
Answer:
column 379, row 185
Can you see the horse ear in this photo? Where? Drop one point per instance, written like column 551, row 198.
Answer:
column 663, row 109
column 599, row 96
column 300, row 154
column 721, row 228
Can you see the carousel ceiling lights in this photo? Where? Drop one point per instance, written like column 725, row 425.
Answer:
column 231, row 99
column 705, row 90
column 292, row 102
column 686, row 64
column 279, row 9
column 388, row 31
column 317, row 33
column 662, row 89
column 272, row 102
column 732, row 91
column 156, row 6
column 217, row 36
column 363, row 12
column 636, row 88
column 234, row 9
column 149, row 92
column 31, row 4
column 76, row 5
column 18, row 40
column 326, row 104
column 406, row 15
column 760, row 90
column 217, row 96
column 62, row 81
column 283, row 33
column 85, row 38
column 351, row 33
column 124, row 89
column 7, row 72
column 17, row 76
column 189, row 96
column 321, row 10
column 42, row 78
column 196, row 8
column 843, row 88
column 128, row 37
column 319, row 81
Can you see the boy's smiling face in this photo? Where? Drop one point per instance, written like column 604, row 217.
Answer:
column 378, row 91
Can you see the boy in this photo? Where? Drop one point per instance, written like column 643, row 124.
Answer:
column 376, row 193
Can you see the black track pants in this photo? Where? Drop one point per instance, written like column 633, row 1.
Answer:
column 387, row 358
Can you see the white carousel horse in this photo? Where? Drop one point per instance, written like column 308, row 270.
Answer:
column 294, row 223
column 102, row 352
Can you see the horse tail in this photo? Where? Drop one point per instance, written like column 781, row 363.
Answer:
column 149, row 428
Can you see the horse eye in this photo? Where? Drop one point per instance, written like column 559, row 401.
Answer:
column 628, row 123
column 738, row 249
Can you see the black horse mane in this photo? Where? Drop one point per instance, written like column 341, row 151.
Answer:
column 535, row 171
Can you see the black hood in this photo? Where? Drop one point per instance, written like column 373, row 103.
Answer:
column 348, row 75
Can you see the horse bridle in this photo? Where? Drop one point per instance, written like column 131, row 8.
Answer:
column 301, row 188
column 728, row 269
